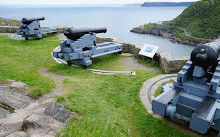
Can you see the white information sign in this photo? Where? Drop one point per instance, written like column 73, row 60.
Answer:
column 148, row 50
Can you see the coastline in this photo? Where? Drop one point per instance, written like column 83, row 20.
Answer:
column 162, row 29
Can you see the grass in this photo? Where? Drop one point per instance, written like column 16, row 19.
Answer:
column 149, row 63
column 109, row 104
column 23, row 60
column 109, row 62
column 158, row 91
column 149, row 26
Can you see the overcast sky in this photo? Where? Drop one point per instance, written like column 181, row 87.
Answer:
column 77, row 2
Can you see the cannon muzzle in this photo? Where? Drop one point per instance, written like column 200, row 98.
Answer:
column 206, row 55
column 74, row 34
column 29, row 20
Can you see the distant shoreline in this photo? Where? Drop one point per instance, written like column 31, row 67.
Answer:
column 161, row 29
column 166, row 4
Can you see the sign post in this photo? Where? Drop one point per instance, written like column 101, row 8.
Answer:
column 149, row 51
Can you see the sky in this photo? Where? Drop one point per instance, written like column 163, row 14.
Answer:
column 83, row 2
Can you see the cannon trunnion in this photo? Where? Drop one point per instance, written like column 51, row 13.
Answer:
column 31, row 28
column 195, row 95
column 81, row 45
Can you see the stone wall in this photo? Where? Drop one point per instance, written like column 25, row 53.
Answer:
column 13, row 29
column 167, row 62
column 8, row 29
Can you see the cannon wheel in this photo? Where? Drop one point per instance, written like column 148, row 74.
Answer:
column 26, row 38
column 120, row 52
column 69, row 63
column 212, row 132
column 84, row 67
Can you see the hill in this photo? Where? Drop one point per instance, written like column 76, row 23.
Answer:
column 166, row 4
column 201, row 19
column 199, row 23
column 9, row 22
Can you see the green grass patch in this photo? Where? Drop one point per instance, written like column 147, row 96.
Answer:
column 149, row 26
column 149, row 63
column 110, row 106
column 49, row 37
column 108, row 62
column 22, row 61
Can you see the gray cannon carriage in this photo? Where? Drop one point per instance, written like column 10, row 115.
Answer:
column 31, row 28
column 195, row 96
column 81, row 45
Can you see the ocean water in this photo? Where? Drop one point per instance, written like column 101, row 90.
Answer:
column 119, row 20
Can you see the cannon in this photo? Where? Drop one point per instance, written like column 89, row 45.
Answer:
column 31, row 28
column 81, row 46
column 195, row 95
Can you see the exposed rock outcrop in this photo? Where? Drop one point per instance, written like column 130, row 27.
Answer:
column 14, row 134
column 22, row 116
column 56, row 111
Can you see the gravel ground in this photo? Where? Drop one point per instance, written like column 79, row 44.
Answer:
column 56, row 91
column 132, row 63
column 61, row 37
column 13, row 36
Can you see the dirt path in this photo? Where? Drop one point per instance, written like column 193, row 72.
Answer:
column 188, row 35
column 56, row 91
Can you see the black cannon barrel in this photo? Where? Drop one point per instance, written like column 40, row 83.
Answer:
column 29, row 20
column 74, row 34
column 206, row 55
